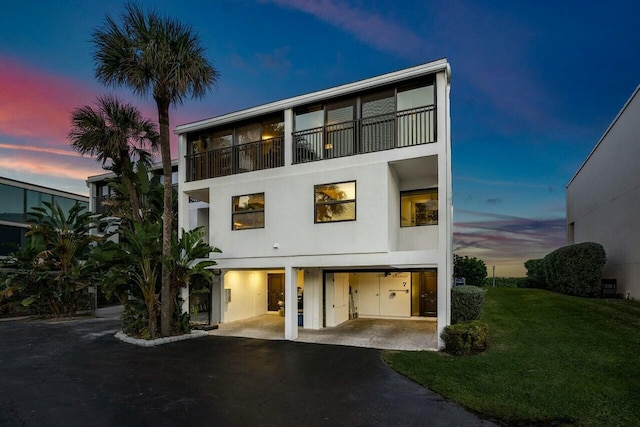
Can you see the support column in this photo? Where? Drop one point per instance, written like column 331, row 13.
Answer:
column 290, row 303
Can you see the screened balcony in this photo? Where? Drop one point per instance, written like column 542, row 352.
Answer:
column 406, row 128
column 247, row 157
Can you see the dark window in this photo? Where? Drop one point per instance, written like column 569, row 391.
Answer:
column 12, row 206
column 247, row 211
column 335, row 202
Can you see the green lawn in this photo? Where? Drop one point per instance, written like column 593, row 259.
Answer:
column 551, row 360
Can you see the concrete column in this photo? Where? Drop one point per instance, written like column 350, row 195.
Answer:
column 445, row 206
column 290, row 303
column 288, row 137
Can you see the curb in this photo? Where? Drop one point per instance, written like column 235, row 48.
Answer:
column 158, row 341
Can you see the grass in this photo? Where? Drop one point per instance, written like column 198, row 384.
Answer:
column 551, row 360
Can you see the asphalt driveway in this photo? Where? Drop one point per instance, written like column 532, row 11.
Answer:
column 77, row 374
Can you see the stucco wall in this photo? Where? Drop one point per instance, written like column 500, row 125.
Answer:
column 603, row 199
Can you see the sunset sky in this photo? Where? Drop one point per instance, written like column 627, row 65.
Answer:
column 535, row 85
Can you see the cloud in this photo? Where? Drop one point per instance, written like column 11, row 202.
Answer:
column 46, row 169
column 276, row 60
column 36, row 105
column 504, row 183
column 35, row 149
column 371, row 29
column 493, row 201
column 506, row 240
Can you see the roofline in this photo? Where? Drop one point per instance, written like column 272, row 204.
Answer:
column 615, row 120
column 103, row 176
column 272, row 107
column 49, row 190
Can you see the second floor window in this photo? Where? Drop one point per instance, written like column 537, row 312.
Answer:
column 419, row 207
column 247, row 211
column 335, row 202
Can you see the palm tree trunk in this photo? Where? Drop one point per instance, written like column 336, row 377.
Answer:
column 131, row 189
column 167, row 215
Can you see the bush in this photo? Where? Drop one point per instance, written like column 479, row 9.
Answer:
column 467, row 303
column 467, row 338
column 507, row 282
column 575, row 269
column 535, row 273
column 472, row 269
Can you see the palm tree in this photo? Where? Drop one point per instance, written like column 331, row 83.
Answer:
column 114, row 132
column 158, row 56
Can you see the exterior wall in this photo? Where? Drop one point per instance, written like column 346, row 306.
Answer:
column 291, row 241
column 603, row 199
column 248, row 294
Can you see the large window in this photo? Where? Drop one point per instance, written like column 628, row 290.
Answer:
column 12, row 206
column 247, row 211
column 419, row 207
column 335, row 202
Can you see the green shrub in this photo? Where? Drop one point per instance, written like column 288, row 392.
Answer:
column 575, row 269
column 506, row 282
column 467, row 303
column 467, row 338
column 472, row 269
column 535, row 273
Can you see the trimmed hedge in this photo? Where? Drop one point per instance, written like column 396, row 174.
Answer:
column 535, row 273
column 467, row 338
column 467, row 303
column 506, row 282
column 575, row 269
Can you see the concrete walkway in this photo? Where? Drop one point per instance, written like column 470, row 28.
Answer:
column 386, row 334
column 75, row 373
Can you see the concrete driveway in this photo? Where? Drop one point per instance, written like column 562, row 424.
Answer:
column 77, row 374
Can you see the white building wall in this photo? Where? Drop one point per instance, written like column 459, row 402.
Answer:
column 603, row 198
column 248, row 294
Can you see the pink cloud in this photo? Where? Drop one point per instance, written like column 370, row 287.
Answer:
column 37, row 105
column 370, row 28
column 45, row 170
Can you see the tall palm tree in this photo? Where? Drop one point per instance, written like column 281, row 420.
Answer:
column 115, row 132
column 158, row 56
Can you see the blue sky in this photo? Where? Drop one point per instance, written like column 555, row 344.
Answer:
column 535, row 85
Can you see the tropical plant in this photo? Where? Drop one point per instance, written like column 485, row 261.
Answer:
column 158, row 56
column 50, row 269
column 115, row 133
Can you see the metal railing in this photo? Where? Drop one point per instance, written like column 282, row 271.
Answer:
column 403, row 129
column 252, row 156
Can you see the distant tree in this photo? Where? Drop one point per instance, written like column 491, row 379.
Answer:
column 157, row 56
column 472, row 269
column 117, row 135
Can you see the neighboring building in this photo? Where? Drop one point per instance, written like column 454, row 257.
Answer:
column 99, row 190
column 341, row 197
column 17, row 199
column 603, row 198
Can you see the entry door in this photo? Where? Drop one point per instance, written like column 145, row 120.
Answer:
column 275, row 288
column 428, row 293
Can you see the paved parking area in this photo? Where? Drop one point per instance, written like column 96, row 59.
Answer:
column 77, row 374
column 387, row 334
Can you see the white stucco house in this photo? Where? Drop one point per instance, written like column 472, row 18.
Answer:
column 603, row 198
column 340, row 198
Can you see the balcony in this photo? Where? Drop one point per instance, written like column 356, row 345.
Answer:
column 367, row 135
column 253, row 156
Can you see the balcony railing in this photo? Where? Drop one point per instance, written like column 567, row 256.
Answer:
column 252, row 156
column 384, row 132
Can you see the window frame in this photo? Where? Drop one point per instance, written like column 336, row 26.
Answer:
column 234, row 213
column 430, row 190
column 336, row 202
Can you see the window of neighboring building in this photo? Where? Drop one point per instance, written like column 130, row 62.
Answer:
column 247, row 211
column 12, row 206
column 335, row 202
column 36, row 198
column 419, row 207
